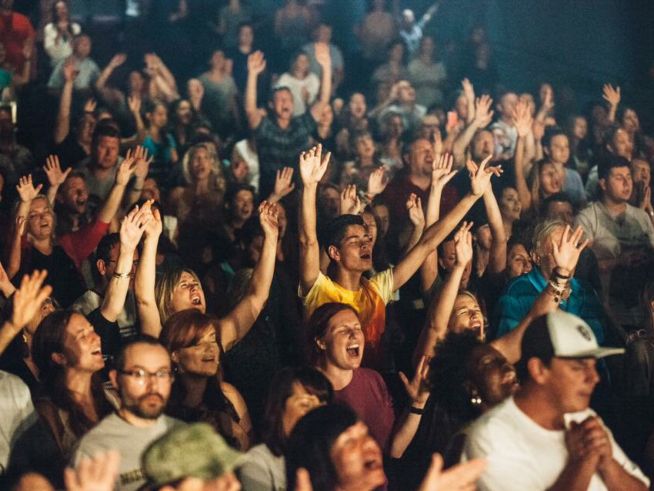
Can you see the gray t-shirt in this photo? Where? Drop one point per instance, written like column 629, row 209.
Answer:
column 262, row 471
column 114, row 433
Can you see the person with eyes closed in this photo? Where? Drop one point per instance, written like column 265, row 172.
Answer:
column 143, row 377
column 336, row 349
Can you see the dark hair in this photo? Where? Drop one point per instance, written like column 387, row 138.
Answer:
column 335, row 231
column 550, row 133
column 561, row 197
column 234, row 188
column 310, row 444
column 318, row 324
column 119, row 361
column 610, row 162
column 104, row 130
column 281, row 388
column 49, row 339
column 107, row 243
column 536, row 343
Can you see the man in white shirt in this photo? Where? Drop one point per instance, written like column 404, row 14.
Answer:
column 546, row 436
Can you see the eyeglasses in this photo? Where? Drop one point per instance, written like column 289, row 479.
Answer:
column 141, row 376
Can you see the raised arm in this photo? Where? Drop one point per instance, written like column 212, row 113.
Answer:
column 115, row 62
column 144, row 282
column 131, row 231
column 27, row 302
column 256, row 65
column 115, row 198
column 566, row 255
column 313, row 165
column 284, row 185
column 56, row 176
column 62, row 124
column 611, row 95
column 523, row 122
column 441, row 174
column 238, row 322
column 418, row 391
column 469, row 93
column 417, row 219
column 479, row 180
column 141, row 168
column 497, row 260
column 324, row 59
column 440, row 309
column 483, row 117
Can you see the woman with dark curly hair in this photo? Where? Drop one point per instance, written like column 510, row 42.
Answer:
column 467, row 377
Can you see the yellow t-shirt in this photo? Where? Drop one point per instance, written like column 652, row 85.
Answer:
column 369, row 301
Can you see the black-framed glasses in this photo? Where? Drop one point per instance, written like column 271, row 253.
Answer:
column 141, row 376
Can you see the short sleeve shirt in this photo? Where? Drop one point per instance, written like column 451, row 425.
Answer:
column 369, row 301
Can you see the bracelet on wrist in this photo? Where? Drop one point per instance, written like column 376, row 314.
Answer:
column 558, row 273
column 417, row 410
column 120, row 276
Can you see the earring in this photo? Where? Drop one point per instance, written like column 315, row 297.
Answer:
column 25, row 338
column 475, row 399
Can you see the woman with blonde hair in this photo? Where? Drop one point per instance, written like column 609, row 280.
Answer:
column 205, row 182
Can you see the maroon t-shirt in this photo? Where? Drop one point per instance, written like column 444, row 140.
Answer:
column 368, row 396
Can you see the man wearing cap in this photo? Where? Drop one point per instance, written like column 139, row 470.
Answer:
column 190, row 458
column 546, row 436
column 143, row 378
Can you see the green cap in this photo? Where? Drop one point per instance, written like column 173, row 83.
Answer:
column 194, row 450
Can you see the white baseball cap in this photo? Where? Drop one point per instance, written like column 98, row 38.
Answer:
column 562, row 335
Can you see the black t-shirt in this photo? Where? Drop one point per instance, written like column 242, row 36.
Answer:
column 66, row 281
column 70, row 152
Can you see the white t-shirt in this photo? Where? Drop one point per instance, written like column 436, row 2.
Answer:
column 523, row 455
column 310, row 84
column 17, row 414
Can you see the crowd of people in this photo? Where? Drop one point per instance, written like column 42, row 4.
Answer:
column 313, row 266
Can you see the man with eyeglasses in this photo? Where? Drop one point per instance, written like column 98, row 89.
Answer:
column 143, row 378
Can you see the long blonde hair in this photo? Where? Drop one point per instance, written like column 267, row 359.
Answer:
column 218, row 182
column 164, row 288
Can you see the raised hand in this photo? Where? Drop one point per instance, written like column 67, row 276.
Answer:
column 134, row 104
column 441, row 171
column 377, row 182
column 483, row 112
column 141, row 161
column 350, row 202
column 437, row 142
column 323, row 57
column 611, row 94
column 548, row 99
column 566, row 252
column 6, row 287
column 154, row 226
column 90, row 105
column 269, row 219
column 463, row 244
column 97, row 474
column 29, row 297
column 133, row 226
column 125, row 169
column 313, row 165
column 256, row 63
column 461, row 477
column 117, row 60
column 468, row 89
column 522, row 119
column 70, row 70
column 26, row 190
column 52, row 168
column 414, row 207
column 283, row 183
column 480, row 176
column 418, row 387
